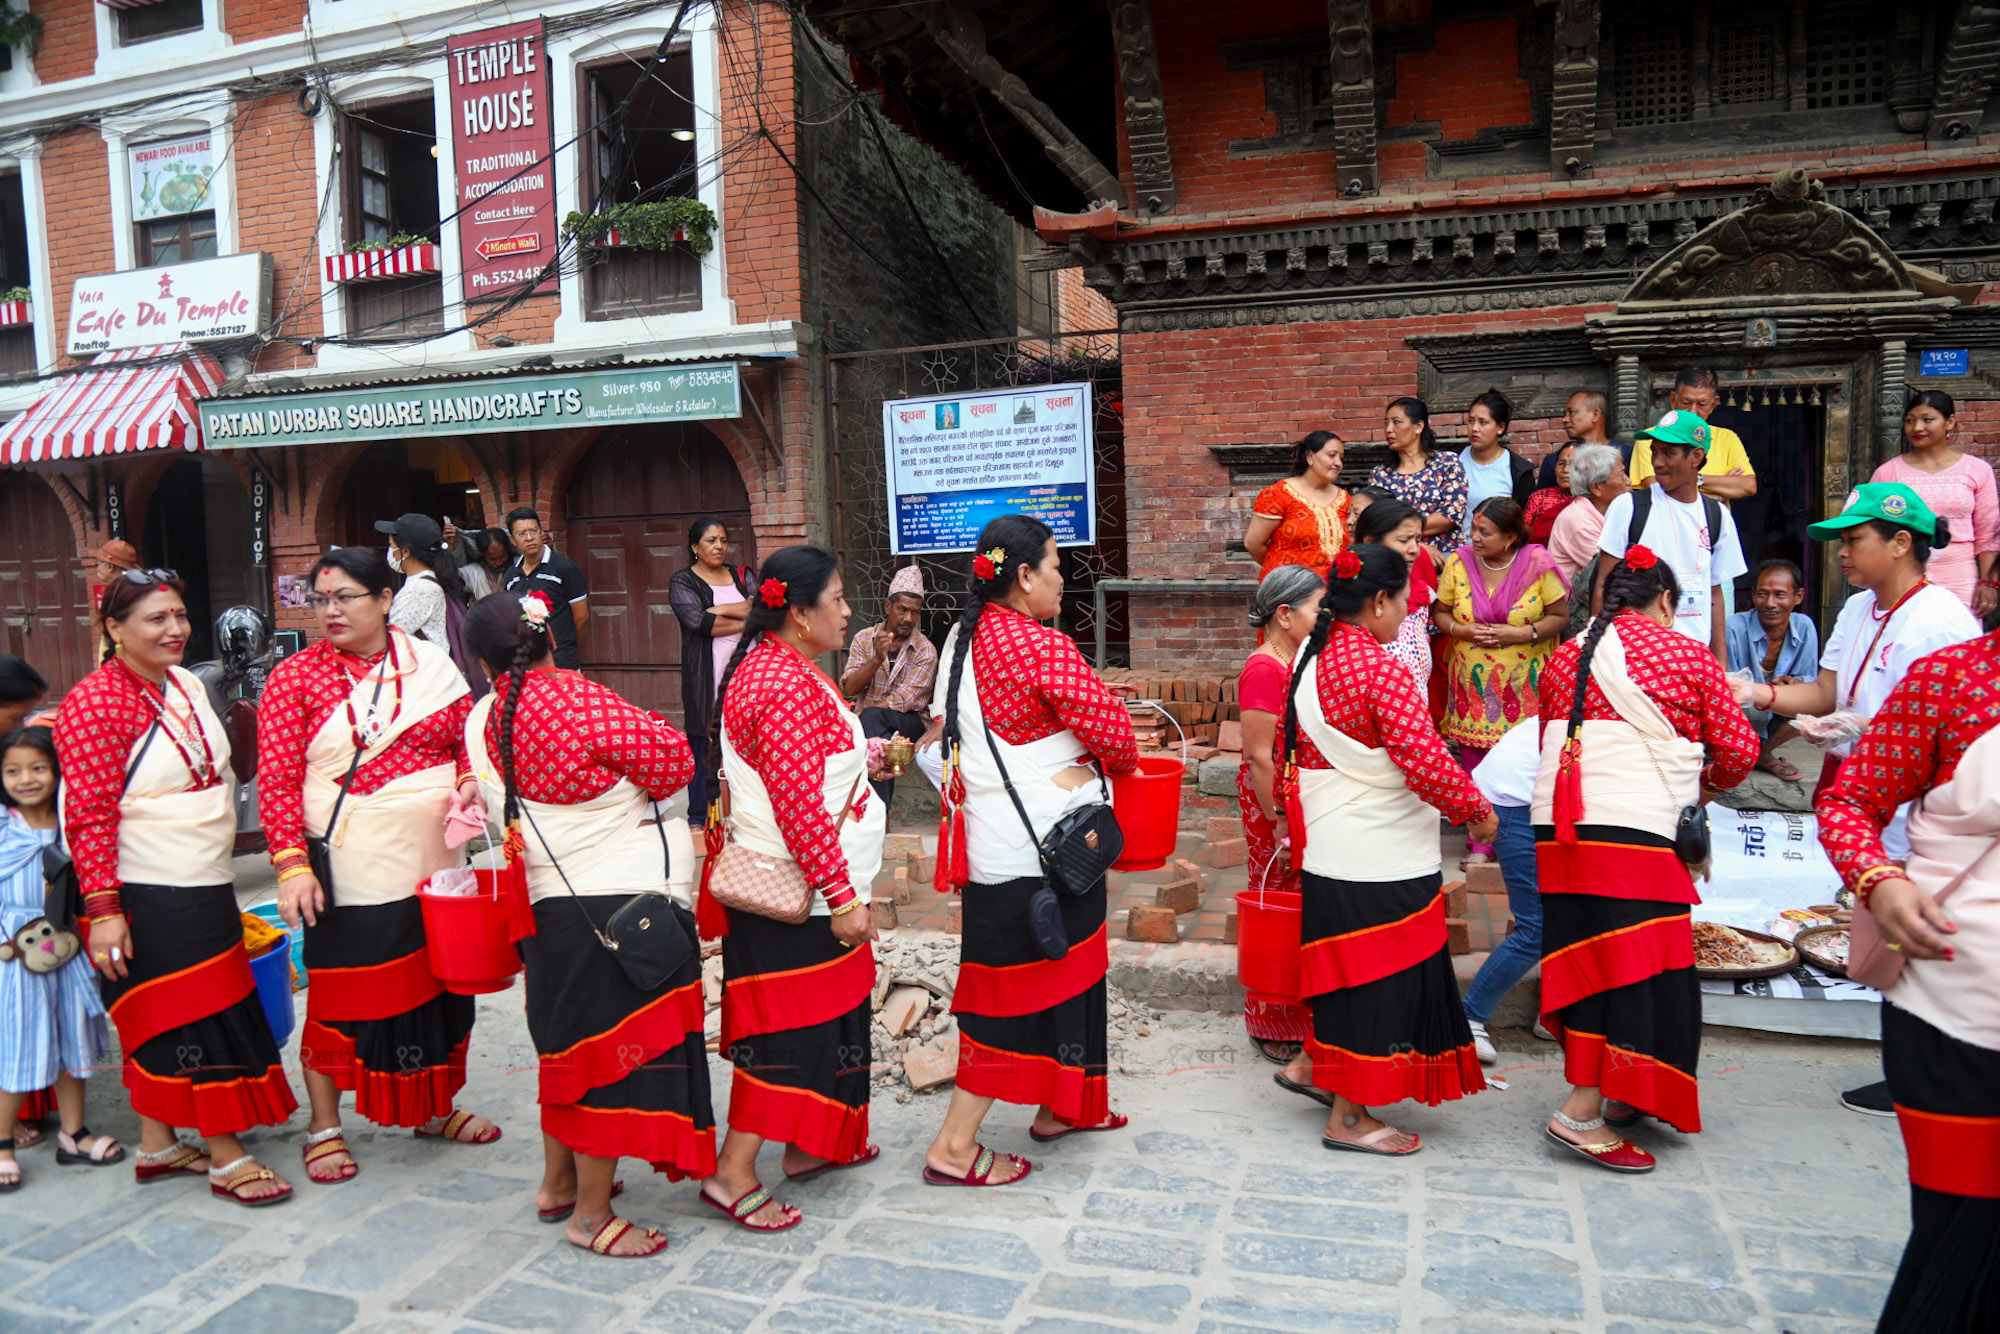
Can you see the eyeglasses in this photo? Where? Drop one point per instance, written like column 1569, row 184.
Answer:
column 150, row 577
column 321, row 601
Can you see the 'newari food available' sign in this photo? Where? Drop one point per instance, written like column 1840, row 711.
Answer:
column 502, row 141
column 175, row 303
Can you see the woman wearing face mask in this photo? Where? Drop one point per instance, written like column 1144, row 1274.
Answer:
column 1285, row 608
column 1423, row 475
column 1366, row 777
column 1960, row 490
column 149, row 808
column 361, row 743
column 430, row 576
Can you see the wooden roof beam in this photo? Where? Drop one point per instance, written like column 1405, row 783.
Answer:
column 1965, row 74
column 1145, row 105
column 1351, row 29
column 1573, row 103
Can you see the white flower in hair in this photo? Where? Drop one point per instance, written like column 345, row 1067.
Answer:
column 535, row 610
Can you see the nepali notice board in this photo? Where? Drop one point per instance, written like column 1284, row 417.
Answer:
column 957, row 461
column 1766, row 864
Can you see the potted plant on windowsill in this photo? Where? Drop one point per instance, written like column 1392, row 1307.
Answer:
column 17, row 306
column 401, row 256
column 659, row 224
column 18, row 30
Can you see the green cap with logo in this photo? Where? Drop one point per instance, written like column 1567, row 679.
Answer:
column 1678, row 428
column 1891, row 502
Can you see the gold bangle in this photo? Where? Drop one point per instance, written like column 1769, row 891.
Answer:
column 844, row 908
column 292, row 872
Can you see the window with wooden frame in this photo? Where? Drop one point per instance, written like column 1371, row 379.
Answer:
column 177, row 240
column 17, row 341
column 1750, row 59
column 641, row 150
column 147, row 22
column 389, row 194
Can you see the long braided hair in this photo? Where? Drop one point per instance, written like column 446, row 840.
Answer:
column 1381, row 571
column 1626, row 588
column 1021, row 541
column 801, row 574
column 499, row 634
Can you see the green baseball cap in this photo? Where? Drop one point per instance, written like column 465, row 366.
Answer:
column 1678, row 428
column 1891, row 502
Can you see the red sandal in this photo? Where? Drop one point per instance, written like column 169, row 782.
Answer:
column 1620, row 1155
column 750, row 1204
column 981, row 1173
column 1112, row 1122
column 613, row 1231
column 170, row 1162
column 867, row 1155
column 455, row 1123
column 229, row 1182
column 561, row 1213
column 325, row 1144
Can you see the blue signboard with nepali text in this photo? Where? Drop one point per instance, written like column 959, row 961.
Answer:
column 958, row 461
column 1945, row 361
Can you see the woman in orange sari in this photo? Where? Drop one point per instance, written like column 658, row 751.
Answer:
column 1302, row 520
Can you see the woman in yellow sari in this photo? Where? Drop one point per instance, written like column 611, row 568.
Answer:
column 1503, row 605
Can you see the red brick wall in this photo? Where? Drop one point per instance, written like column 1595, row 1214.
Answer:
column 68, row 47
column 76, row 190
column 277, row 211
column 1470, row 82
column 248, row 20
column 760, row 216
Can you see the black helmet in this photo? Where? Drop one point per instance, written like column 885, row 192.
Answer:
column 241, row 636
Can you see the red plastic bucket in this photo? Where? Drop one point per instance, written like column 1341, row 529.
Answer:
column 1267, row 944
column 1148, row 807
column 466, row 935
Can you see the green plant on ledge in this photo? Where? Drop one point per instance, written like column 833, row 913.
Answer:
column 19, row 28
column 396, row 242
column 16, row 294
column 649, row 226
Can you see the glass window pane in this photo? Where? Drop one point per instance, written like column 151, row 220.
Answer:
column 374, row 155
column 374, row 196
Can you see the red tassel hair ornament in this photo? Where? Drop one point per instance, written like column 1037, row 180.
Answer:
column 1568, row 801
column 1295, row 811
column 954, row 864
column 711, row 922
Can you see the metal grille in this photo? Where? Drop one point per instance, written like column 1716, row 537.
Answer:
column 860, row 382
column 1847, row 55
column 1749, row 59
column 1652, row 76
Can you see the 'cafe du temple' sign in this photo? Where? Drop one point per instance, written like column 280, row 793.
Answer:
column 174, row 303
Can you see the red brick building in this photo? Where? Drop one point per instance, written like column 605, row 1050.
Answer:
column 1301, row 210
column 150, row 140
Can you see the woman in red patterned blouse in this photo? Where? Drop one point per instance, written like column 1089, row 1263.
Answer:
column 368, row 724
column 1030, row 1001
column 795, row 1011
column 1633, row 697
column 1286, row 606
column 149, row 807
column 1936, row 741
column 1366, row 776
column 578, row 774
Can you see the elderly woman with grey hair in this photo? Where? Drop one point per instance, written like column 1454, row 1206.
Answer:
column 1284, row 607
column 1597, row 475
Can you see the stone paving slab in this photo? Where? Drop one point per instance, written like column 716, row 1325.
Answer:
column 1217, row 1211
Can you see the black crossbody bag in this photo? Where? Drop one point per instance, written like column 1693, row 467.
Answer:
column 62, row 901
column 319, row 853
column 644, row 938
column 1081, row 846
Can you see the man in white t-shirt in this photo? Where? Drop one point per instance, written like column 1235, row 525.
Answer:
column 1693, row 534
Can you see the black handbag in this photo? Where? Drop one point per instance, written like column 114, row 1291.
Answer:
column 1077, row 852
column 319, row 852
column 1691, row 836
column 646, row 937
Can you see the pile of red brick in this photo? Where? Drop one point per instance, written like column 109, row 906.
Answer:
column 1204, row 708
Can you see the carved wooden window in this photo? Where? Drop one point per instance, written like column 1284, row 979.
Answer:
column 1748, row 63
column 1847, row 55
column 1652, row 76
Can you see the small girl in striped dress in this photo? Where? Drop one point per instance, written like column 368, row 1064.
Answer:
column 52, row 1022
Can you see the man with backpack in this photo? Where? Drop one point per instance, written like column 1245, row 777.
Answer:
column 1692, row 532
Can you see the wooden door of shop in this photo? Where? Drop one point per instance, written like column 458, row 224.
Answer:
column 44, row 588
column 629, row 507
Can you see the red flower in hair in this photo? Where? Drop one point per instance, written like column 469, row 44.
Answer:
column 983, row 566
column 772, row 593
column 1346, row 565
column 1640, row 558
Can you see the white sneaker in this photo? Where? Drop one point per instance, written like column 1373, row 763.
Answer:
column 1482, row 1045
column 1543, row 1033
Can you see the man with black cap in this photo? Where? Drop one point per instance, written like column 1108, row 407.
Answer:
column 540, row 569
column 1693, row 533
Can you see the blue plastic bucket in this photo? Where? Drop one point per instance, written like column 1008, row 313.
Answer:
column 269, row 912
column 272, row 971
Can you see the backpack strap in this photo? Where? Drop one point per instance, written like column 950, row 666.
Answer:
column 1642, row 509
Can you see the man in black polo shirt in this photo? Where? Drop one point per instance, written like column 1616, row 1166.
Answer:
column 539, row 569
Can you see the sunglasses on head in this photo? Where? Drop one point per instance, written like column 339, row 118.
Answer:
column 150, row 576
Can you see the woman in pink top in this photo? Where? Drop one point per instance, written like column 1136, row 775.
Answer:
column 1960, row 490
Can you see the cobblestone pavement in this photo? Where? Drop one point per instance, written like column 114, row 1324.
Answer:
column 1217, row 1211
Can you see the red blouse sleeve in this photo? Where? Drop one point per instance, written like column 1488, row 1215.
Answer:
column 1732, row 743
column 779, row 721
column 1273, row 502
column 628, row 740
column 283, row 729
column 1086, row 707
column 94, row 735
column 1262, row 685
column 1896, row 760
column 1403, row 720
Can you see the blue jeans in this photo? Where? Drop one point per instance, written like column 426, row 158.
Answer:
column 1514, row 956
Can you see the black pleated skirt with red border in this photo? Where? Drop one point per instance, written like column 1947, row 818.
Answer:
column 1947, row 1096
column 378, row 1023
column 1375, row 966
column 1619, row 989
column 1031, row 1029
column 795, row 1024
column 623, row 1072
column 198, row 1049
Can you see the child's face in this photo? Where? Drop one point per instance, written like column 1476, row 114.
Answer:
column 28, row 775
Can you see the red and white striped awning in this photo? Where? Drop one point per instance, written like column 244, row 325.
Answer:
column 361, row 266
column 127, row 400
column 127, row 4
